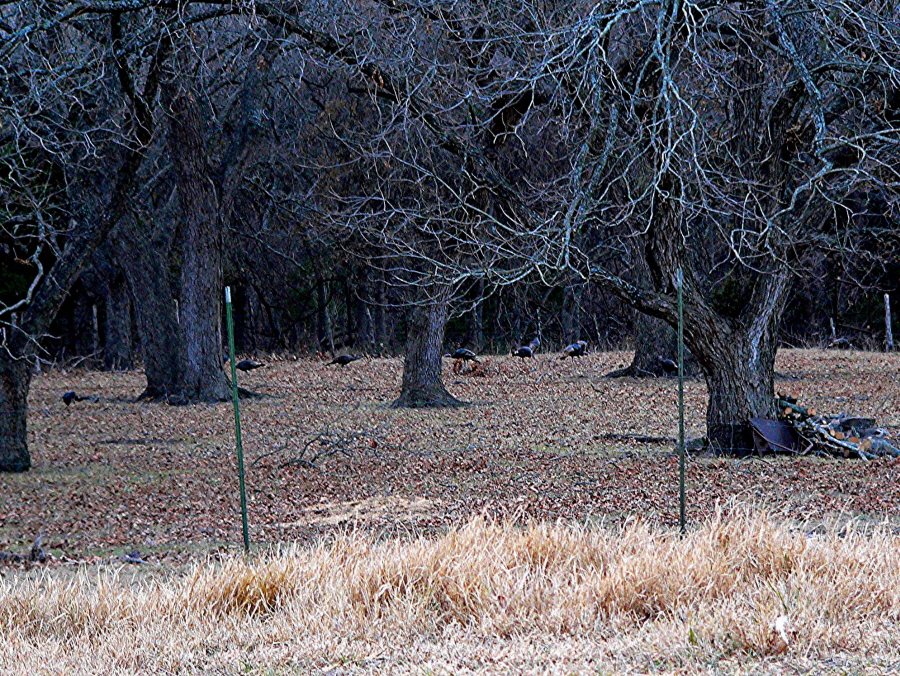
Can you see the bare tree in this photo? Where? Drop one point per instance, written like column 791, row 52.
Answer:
column 73, row 151
column 721, row 140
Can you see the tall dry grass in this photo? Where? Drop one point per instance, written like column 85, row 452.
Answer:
column 486, row 598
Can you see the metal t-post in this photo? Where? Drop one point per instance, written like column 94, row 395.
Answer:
column 237, row 420
column 681, row 496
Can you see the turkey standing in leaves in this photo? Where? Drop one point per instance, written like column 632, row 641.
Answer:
column 527, row 350
column 69, row 397
column 460, row 357
column 244, row 364
column 576, row 349
column 343, row 360
column 668, row 365
column 464, row 354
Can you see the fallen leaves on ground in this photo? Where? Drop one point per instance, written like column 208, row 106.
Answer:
column 544, row 439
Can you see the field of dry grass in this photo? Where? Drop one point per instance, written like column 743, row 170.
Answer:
column 368, row 560
column 740, row 594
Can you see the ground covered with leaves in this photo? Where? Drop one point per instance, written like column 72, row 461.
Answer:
column 541, row 439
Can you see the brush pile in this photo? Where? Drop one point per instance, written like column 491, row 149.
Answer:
column 834, row 435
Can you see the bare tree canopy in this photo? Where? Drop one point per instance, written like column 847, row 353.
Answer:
column 727, row 140
column 354, row 146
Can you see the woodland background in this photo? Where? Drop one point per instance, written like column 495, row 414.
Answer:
column 388, row 177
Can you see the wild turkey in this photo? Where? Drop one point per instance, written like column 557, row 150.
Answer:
column 464, row 354
column 534, row 345
column 69, row 397
column 248, row 365
column 460, row 357
column 668, row 366
column 343, row 360
column 524, row 352
column 576, row 349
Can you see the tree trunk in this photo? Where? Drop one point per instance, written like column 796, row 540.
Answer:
column 476, row 318
column 144, row 251
column 324, row 334
column 422, row 384
column 654, row 338
column 380, row 321
column 740, row 382
column 117, row 349
column 364, row 330
column 200, row 315
column 83, row 334
column 571, row 313
column 15, row 381
column 738, row 360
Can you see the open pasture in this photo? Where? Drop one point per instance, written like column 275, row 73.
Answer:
column 543, row 439
column 527, row 533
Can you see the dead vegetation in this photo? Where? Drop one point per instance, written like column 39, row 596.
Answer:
column 542, row 438
column 739, row 594
column 367, row 556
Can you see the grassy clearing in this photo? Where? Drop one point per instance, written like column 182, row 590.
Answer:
column 488, row 598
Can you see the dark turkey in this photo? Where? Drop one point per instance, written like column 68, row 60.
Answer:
column 343, row 360
column 576, row 349
column 528, row 350
column 248, row 365
column 69, row 397
column 668, row 366
column 464, row 354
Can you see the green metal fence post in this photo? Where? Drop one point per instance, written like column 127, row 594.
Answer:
column 679, row 280
column 237, row 420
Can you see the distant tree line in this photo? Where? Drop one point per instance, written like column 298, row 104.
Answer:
column 393, row 176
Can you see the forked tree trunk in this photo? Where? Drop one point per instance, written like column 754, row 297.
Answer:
column 422, row 384
column 738, row 361
column 15, row 381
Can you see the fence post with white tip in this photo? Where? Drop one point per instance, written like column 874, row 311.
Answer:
column 237, row 420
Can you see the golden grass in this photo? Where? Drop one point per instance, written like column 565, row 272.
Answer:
column 486, row 598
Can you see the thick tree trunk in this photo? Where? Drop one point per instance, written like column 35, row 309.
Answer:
column 15, row 381
column 740, row 382
column 145, row 257
column 654, row 338
column 738, row 360
column 422, row 384
column 200, row 316
column 117, row 349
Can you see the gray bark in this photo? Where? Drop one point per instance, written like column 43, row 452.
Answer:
column 422, row 384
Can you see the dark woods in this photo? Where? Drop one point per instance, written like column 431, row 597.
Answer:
column 402, row 177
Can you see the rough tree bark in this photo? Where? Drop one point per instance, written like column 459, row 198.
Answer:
column 144, row 249
column 200, row 316
column 117, row 348
column 15, row 380
column 422, row 385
